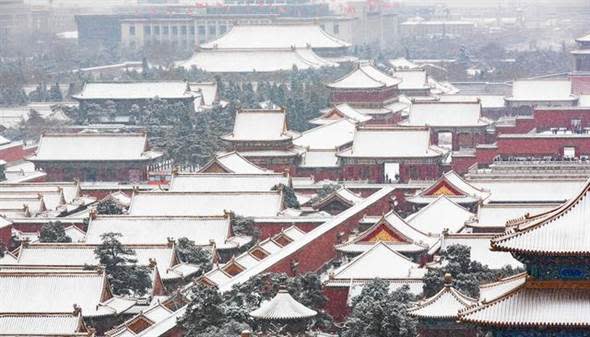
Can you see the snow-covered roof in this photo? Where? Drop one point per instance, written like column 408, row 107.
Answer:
column 261, row 125
column 365, row 76
column 416, row 79
column 282, row 307
column 371, row 264
column 394, row 232
column 52, row 290
column 391, row 142
column 446, row 114
column 542, row 90
column 255, row 60
column 262, row 251
column 491, row 291
column 480, row 249
column 528, row 191
column 93, row 147
column 307, row 238
column 258, row 204
column 585, row 38
column 276, row 37
column 428, row 219
column 319, row 158
column 207, row 90
column 232, row 162
column 443, row 305
column 454, row 187
column 403, row 63
column 135, row 90
column 533, row 306
column 563, row 232
column 226, row 182
column 42, row 324
column 328, row 136
column 343, row 194
column 158, row 229
column 340, row 111
column 496, row 215
column 73, row 254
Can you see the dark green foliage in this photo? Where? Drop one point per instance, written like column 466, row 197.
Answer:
column 12, row 80
column 124, row 274
column 211, row 312
column 242, row 225
column 53, row 232
column 289, row 196
column 378, row 313
column 189, row 252
column 2, row 172
column 55, row 94
column 108, row 207
column 206, row 311
column 324, row 191
column 467, row 274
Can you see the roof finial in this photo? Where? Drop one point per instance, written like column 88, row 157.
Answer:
column 448, row 280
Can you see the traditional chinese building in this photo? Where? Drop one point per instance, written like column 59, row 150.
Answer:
column 347, row 281
column 392, row 231
column 429, row 221
column 262, row 137
column 555, row 297
column 94, row 157
column 385, row 154
column 452, row 186
column 124, row 95
column 456, row 125
column 437, row 315
column 232, row 162
column 337, row 201
column 285, row 310
column 370, row 92
column 341, row 111
column 580, row 77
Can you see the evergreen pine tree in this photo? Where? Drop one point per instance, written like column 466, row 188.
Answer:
column 53, row 232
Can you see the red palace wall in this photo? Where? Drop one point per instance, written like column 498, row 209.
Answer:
column 357, row 96
column 104, row 171
column 461, row 164
column 15, row 151
column 374, row 173
column 6, row 235
column 580, row 84
column 268, row 229
column 485, row 154
column 336, row 305
column 319, row 173
column 546, row 119
column 321, row 250
column 542, row 146
column 522, row 125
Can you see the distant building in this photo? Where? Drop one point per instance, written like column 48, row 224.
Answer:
column 370, row 92
column 421, row 28
column 262, row 137
column 94, row 157
column 15, row 21
column 580, row 77
column 126, row 94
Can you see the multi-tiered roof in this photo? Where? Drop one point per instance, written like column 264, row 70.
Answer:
column 556, row 293
column 443, row 305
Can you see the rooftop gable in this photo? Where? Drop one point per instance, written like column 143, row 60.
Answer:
column 452, row 184
column 42, row 324
column 365, row 76
column 282, row 307
column 370, row 265
column 428, row 219
column 232, row 162
column 445, row 304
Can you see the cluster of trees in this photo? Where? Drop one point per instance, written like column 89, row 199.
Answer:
column 53, row 232
column 467, row 274
column 211, row 313
column 303, row 94
column 12, row 81
column 108, row 207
